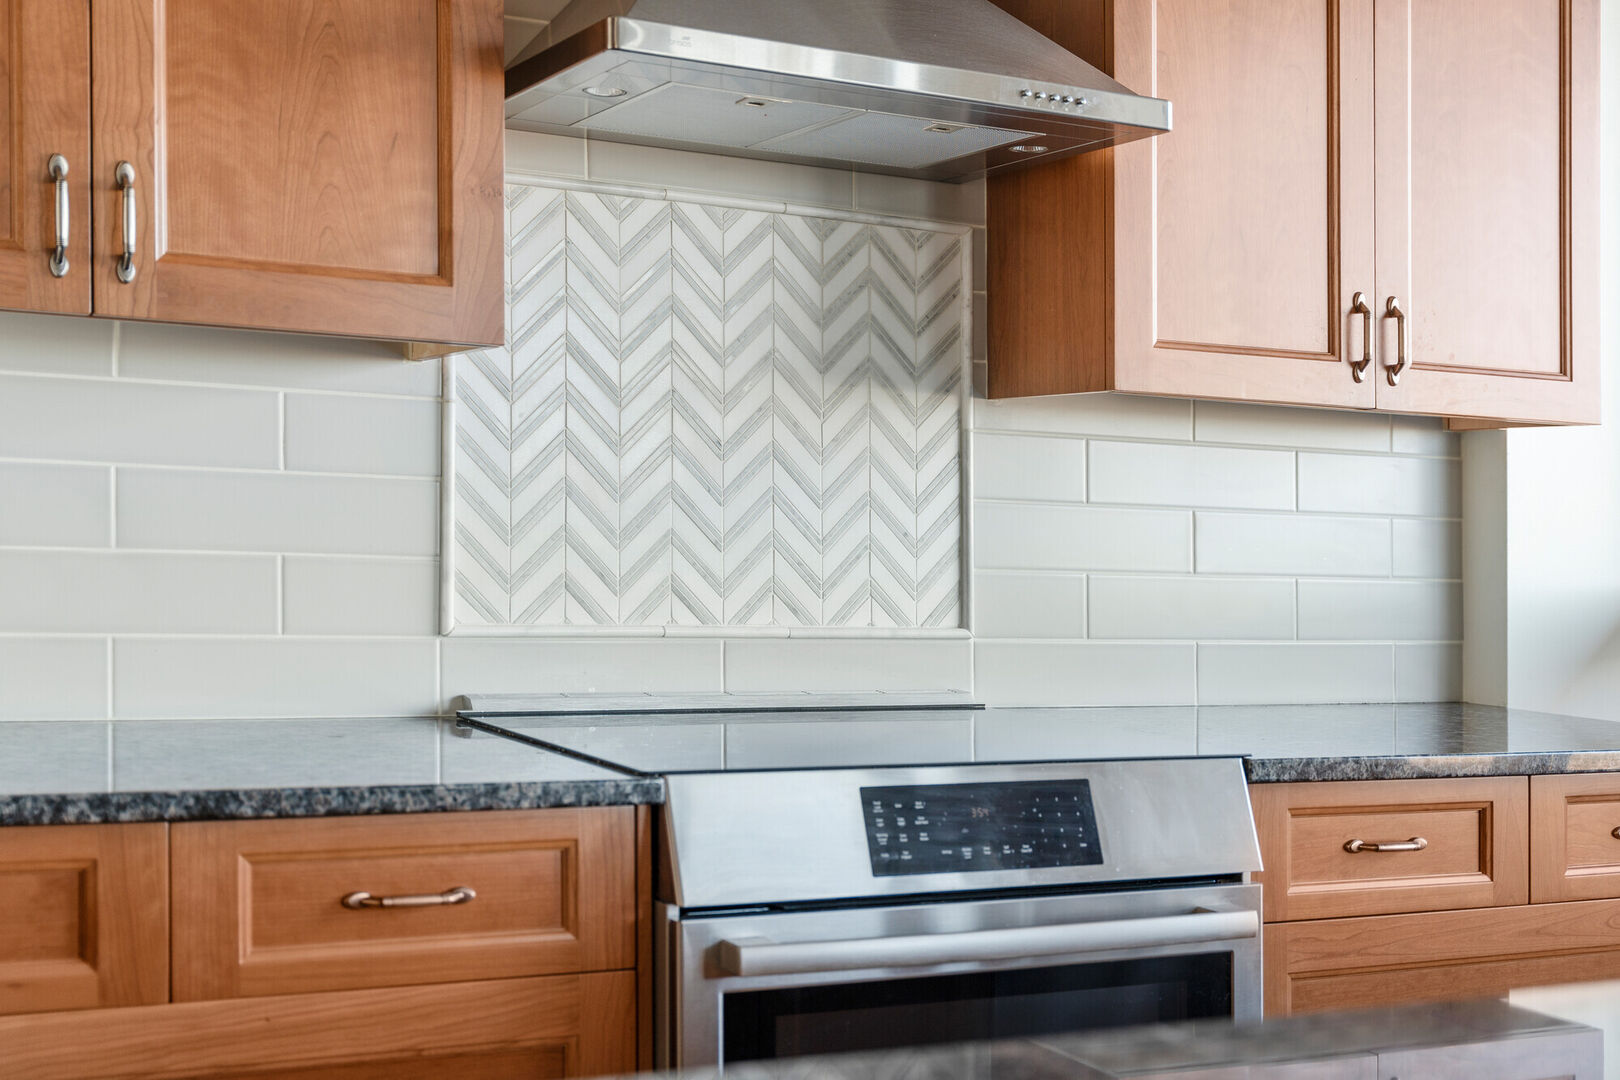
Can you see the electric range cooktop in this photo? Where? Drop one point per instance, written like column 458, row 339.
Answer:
column 704, row 733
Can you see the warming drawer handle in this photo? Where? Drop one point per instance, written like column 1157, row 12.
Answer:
column 458, row 895
column 762, row 956
column 1356, row 847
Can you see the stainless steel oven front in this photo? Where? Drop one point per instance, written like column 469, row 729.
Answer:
column 773, row 984
column 820, row 911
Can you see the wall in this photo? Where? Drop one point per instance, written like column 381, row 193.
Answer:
column 215, row 523
column 1544, row 517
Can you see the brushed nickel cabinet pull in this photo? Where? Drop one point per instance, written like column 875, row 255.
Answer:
column 1417, row 843
column 1392, row 310
column 58, row 166
column 125, row 175
column 458, row 895
column 1358, row 306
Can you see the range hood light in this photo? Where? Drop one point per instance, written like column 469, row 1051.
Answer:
column 1025, row 148
column 606, row 91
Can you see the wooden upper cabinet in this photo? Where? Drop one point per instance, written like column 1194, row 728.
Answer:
column 1488, row 206
column 1439, row 152
column 44, row 111
column 1220, row 260
column 332, row 166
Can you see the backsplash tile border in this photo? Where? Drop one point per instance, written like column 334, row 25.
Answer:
column 949, row 603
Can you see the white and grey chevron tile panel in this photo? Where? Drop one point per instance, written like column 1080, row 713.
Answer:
column 711, row 416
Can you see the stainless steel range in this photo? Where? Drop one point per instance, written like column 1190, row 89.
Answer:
column 890, row 896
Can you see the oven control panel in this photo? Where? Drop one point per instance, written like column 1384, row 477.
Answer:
column 952, row 828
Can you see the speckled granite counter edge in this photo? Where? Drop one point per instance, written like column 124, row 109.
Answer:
column 96, row 808
column 1435, row 766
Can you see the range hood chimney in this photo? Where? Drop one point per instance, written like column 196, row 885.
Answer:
column 933, row 89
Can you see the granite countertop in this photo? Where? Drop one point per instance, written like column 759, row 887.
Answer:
column 1172, row 1049
column 1317, row 742
column 68, row 772
column 83, row 772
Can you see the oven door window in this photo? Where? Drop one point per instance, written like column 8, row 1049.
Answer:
column 766, row 1024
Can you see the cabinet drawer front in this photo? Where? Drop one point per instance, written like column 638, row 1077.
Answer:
column 1437, row 956
column 1446, row 844
column 84, row 917
column 260, row 905
column 1575, row 853
column 538, row 1029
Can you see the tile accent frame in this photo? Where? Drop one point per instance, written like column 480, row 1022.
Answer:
column 926, row 594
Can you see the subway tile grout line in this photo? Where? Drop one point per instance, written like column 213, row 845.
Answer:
column 202, row 384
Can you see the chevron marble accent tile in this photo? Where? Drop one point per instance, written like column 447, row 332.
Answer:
column 710, row 416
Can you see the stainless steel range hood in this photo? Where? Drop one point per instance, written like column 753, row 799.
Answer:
column 935, row 89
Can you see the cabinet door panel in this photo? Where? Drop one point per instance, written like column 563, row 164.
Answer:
column 44, row 110
column 321, row 165
column 84, row 917
column 1487, row 178
column 1243, row 235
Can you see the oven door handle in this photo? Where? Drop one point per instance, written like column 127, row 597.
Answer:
column 762, row 956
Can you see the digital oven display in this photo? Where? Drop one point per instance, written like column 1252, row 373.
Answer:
column 944, row 828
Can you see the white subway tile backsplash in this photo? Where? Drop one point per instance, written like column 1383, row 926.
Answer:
column 360, row 597
column 764, row 664
column 1428, row 672
column 283, row 361
column 125, row 592
column 561, row 665
column 1190, row 607
column 1022, row 536
column 1380, row 610
column 1271, row 425
column 56, row 344
column 1363, row 484
column 55, row 506
column 1095, row 673
column 1425, row 435
column 1400, row 611
column 1003, row 468
column 1088, row 414
column 224, row 677
column 350, row 434
column 1428, row 548
column 922, row 199
column 80, row 420
column 184, row 510
column 549, row 155
column 1294, row 673
column 1169, row 475
column 1029, row 605
column 53, row 678
column 1293, row 544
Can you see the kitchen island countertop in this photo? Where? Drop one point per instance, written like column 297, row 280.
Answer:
column 1216, row 1048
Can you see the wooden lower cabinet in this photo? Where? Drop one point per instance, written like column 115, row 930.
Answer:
column 84, row 917
column 557, row 1026
column 541, row 972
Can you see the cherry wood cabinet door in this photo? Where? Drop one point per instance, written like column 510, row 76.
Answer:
column 44, row 111
column 332, row 166
column 1487, row 184
column 1243, row 235
column 84, row 918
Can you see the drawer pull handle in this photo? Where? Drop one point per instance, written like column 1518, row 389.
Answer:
column 458, row 895
column 1417, row 843
column 1615, row 832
